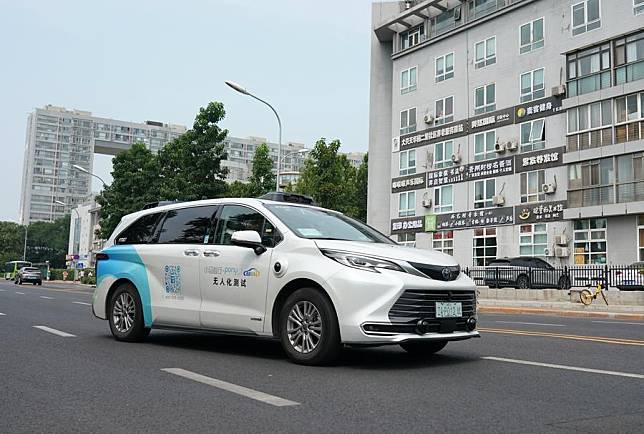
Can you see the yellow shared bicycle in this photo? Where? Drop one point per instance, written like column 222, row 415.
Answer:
column 586, row 296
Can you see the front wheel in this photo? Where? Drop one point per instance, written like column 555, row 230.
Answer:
column 423, row 348
column 126, row 315
column 308, row 328
column 523, row 282
column 586, row 297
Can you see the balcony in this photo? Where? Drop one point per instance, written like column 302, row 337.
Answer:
column 606, row 195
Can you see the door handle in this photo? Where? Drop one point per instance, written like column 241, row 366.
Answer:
column 191, row 252
column 211, row 253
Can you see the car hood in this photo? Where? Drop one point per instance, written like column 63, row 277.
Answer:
column 389, row 251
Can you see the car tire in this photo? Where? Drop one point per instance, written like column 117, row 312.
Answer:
column 40, row 283
column 316, row 340
column 125, row 314
column 523, row 282
column 423, row 348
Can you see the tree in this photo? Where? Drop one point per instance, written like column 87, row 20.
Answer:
column 262, row 179
column 48, row 241
column 12, row 236
column 136, row 181
column 329, row 178
column 190, row 166
column 360, row 198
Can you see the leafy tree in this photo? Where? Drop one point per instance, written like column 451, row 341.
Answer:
column 360, row 197
column 262, row 179
column 11, row 242
column 237, row 189
column 48, row 241
column 136, row 181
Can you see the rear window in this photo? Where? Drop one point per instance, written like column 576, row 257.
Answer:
column 31, row 269
column 499, row 264
column 140, row 231
column 187, row 225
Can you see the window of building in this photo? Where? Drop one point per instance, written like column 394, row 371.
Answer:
column 444, row 67
column 629, row 58
column 591, row 183
column 443, row 199
column 531, row 36
column 533, row 135
column 443, row 241
column 484, row 192
column 408, row 121
column 640, row 232
column 187, row 225
column 408, row 240
column 532, row 85
column 630, row 178
column 407, row 162
column 484, row 246
column 586, row 16
column 443, row 152
column 588, row 70
column 408, row 80
column 235, row 218
column 444, row 110
column 629, row 108
column 590, row 241
column 485, row 99
column 412, row 37
column 485, row 52
column 531, row 183
column 407, row 204
column 589, row 126
column 533, row 240
column 484, row 145
column 638, row 7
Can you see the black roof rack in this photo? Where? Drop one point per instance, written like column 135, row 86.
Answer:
column 282, row 196
column 159, row 203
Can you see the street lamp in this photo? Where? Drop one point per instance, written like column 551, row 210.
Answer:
column 241, row 89
column 82, row 169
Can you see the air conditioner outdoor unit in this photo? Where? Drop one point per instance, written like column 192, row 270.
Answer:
column 428, row 118
column 498, row 200
column 427, row 203
column 562, row 252
column 511, row 146
column 561, row 240
column 456, row 158
column 547, row 252
column 499, row 148
column 549, row 188
column 559, row 90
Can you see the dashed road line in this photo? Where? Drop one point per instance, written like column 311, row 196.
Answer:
column 601, row 339
column 2, row 314
column 565, row 367
column 82, row 302
column 54, row 331
column 620, row 322
column 532, row 323
column 46, row 298
column 233, row 388
column 21, row 293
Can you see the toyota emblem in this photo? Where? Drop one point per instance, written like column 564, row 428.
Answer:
column 446, row 273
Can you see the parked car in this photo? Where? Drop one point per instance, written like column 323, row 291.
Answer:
column 631, row 278
column 28, row 275
column 524, row 273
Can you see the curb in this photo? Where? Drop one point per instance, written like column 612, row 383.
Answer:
column 559, row 312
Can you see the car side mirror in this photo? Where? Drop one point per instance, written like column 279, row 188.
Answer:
column 250, row 239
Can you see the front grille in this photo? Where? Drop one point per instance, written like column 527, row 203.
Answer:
column 438, row 272
column 415, row 304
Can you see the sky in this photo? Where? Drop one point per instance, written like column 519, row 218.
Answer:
column 141, row 60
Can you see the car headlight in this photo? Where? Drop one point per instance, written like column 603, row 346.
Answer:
column 361, row 262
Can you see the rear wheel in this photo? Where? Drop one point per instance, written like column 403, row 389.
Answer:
column 586, row 297
column 423, row 348
column 126, row 314
column 523, row 282
column 308, row 328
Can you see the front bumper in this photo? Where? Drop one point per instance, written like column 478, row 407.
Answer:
column 376, row 308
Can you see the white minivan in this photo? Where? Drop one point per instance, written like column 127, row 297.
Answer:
column 313, row 278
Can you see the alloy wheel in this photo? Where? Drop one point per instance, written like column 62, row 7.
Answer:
column 304, row 327
column 123, row 312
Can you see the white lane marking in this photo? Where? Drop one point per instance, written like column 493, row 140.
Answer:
column 2, row 314
column 532, row 323
column 82, row 302
column 566, row 367
column 620, row 322
column 2, row 290
column 21, row 293
column 46, row 298
column 55, row 332
column 234, row 388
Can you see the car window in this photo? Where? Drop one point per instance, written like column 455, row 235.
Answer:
column 187, row 225
column 140, row 231
column 540, row 263
column 235, row 218
column 499, row 264
column 521, row 262
column 30, row 269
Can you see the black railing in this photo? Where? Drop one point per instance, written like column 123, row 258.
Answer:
column 624, row 277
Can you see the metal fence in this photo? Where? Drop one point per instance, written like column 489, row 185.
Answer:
column 625, row 277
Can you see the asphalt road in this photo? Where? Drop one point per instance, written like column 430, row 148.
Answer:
column 527, row 373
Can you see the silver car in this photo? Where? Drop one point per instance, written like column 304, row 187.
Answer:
column 524, row 273
column 28, row 275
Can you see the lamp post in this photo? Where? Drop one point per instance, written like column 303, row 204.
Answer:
column 289, row 154
column 82, row 169
column 239, row 88
column 24, row 249
column 58, row 202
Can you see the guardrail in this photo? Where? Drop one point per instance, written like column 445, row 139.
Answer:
column 624, row 277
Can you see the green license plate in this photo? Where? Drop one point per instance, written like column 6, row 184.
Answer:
column 448, row 310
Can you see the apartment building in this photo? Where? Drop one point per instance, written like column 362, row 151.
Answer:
column 509, row 127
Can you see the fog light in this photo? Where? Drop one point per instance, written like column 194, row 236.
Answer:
column 470, row 324
column 422, row 326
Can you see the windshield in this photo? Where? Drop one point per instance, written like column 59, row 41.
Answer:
column 319, row 224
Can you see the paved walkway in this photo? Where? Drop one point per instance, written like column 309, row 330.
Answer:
column 539, row 307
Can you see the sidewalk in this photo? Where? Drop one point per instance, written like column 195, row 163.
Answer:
column 556, row 308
